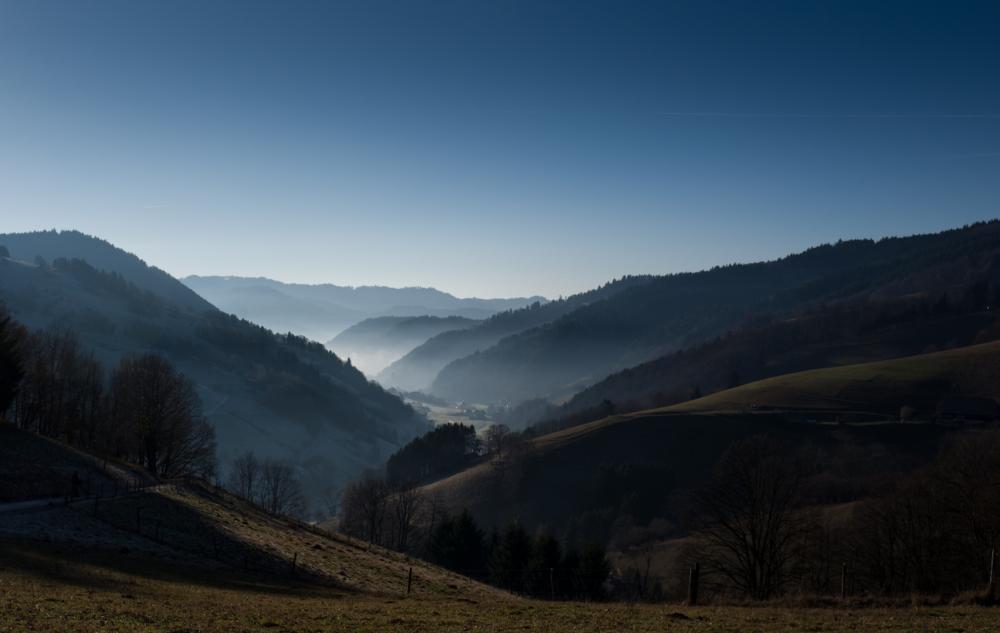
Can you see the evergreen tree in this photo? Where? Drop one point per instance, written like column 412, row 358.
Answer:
column 510, row 559
column 457, row 544
column 594, row 571
column 11, row 367
column 544, row 566
column 568, row 576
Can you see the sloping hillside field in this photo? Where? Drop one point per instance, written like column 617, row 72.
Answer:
column 44, row 589
column 921, row 382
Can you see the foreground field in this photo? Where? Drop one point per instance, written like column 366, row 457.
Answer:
column 53, row 588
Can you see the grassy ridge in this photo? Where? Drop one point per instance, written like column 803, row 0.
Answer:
column 882, row 387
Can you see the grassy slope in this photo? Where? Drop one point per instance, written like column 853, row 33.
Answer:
column 687, row 440
column 32, row 467
column 678, row 450
column 41, row 589
column 883, row 387
column 197, row 522
column 215, row 526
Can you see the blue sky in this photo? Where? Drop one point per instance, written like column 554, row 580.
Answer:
column 494, row 148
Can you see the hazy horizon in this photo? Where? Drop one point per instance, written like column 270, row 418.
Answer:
column 319, row 280
column 494, row 149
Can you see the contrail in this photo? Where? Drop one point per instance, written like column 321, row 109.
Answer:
column 820, row 115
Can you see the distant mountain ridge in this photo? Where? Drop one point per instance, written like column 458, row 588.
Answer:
column 321, row 311
column 278, row 395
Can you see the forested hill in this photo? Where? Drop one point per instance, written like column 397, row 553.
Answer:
column 50, row 245
column 279, row 395
column 678, row 311
column 417, row 370
column 835, row 335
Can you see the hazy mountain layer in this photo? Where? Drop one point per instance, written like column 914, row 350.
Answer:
column 375, row 343
column 418, row 369
column 322, row 311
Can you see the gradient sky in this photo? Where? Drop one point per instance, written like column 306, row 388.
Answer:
column 494, row 148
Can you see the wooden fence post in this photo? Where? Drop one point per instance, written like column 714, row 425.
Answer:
column 991, row 591
column 693, row 585
column 552, row 584
column 295, row 562
column 409, row 581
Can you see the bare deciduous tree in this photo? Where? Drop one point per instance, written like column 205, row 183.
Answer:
column 244, row 476
column 496, row 439
column 11, row 360
column 61, row 391
column 363, row 508
column 405, row 504
column 159, row 412
column 750, row 528
column 280, row 490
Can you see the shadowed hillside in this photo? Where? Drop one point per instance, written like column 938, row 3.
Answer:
column 641, row 465
column 33, row 467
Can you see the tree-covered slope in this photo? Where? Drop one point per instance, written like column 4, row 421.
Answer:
column 279, row 395
column 50, row 245
column 677, row 311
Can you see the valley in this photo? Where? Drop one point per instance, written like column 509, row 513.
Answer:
column 860, row 389
column 570, row 316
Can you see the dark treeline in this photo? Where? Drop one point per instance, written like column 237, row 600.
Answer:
column 444, row 450
column 401, row 517
column 447, row 449
column 769, row 520
column 144, row 412
column 511, row 559
column 931, row 533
